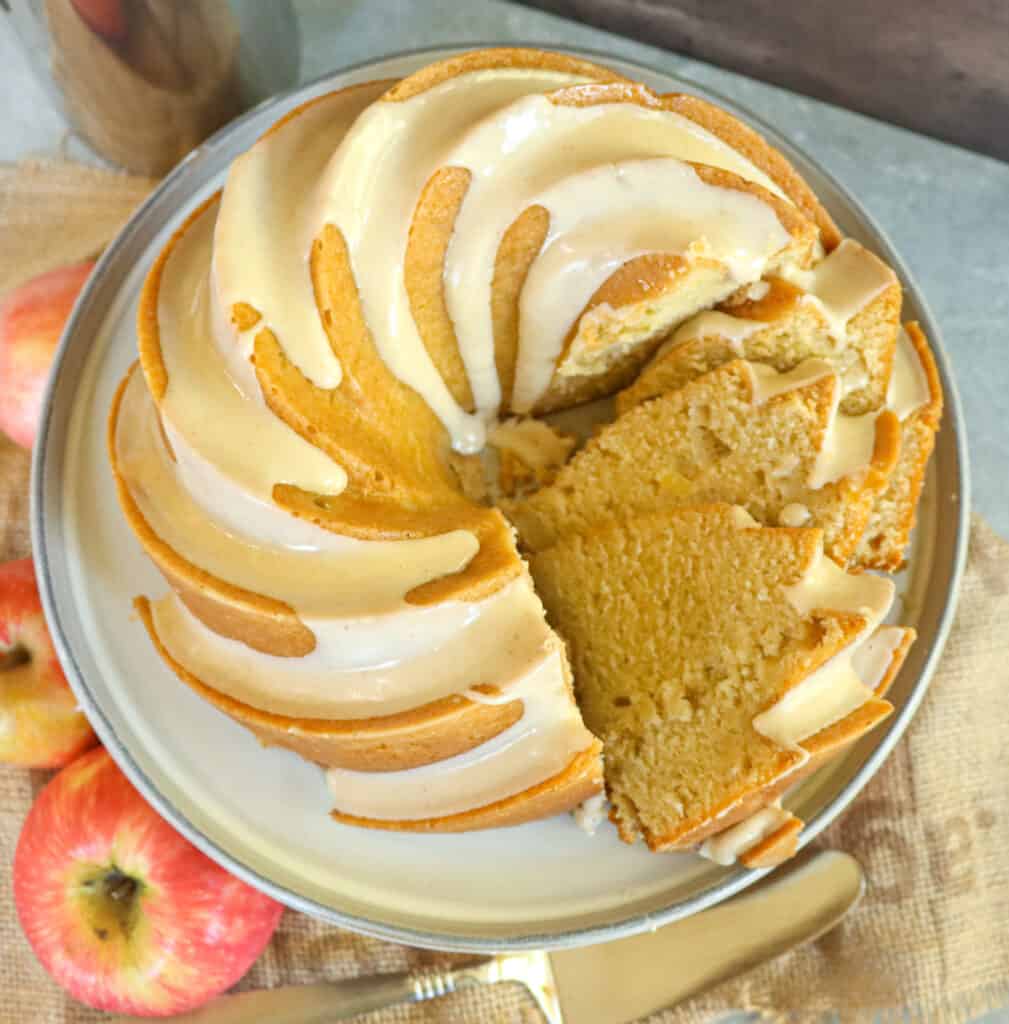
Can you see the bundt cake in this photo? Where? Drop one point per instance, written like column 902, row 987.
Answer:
column 351, row 422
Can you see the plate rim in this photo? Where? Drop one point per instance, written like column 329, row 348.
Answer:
column 724, row 888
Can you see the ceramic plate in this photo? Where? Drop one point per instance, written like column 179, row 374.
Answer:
column 263, row 813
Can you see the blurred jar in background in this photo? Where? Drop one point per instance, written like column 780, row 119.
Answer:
column 143, row 82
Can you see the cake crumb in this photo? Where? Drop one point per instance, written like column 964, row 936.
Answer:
column 591, row 813
column 530, row 454
column 794, row 515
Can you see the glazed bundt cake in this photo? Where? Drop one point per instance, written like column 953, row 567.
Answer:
column 352, row 419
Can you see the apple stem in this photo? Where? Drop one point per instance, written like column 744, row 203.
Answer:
column 111, row 902
column 14, row 657
column 120, row 888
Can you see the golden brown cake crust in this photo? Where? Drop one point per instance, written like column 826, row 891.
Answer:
column 148, row 333
column 886, row 538
column 409, row 739
column 432, row 732
column 419, row 498
column 757, row 150
column 581, row 779
column 262, row 623
column 430, row 232
column 491, row 59
column 519, row 247
column 400, row 484
column 644, row 277
column 776, row 848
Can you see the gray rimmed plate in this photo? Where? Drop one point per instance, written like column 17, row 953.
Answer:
column 262, row 813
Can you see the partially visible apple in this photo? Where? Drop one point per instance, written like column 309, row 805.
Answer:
column 106, row 17
column 121, row 910
column 40, row 724
column 31, row 321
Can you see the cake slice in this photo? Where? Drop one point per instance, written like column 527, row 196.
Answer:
column 900, row 376
column 846, row 310
column 710, row 656
column 743, row 434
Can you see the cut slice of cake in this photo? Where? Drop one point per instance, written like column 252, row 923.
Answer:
column 709, row 656
column 743, row 434
column 846, row 310
column 902, row 377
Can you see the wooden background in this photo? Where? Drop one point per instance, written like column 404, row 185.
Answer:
column 940, row 68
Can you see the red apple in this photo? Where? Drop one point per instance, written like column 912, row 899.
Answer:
column 122, row 911
column 106, row 17
column 40, row 724
column 31, row 321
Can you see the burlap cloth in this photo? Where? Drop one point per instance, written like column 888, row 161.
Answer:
column 931, row 829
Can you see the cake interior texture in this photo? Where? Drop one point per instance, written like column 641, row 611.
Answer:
column 511, row 436
column 719, row 439
column 679, row 657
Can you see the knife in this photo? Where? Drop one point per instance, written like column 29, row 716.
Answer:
column 611, row 983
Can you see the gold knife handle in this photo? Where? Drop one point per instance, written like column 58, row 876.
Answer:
column 324, row 1002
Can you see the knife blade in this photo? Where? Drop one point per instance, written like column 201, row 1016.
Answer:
column 622, row 981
